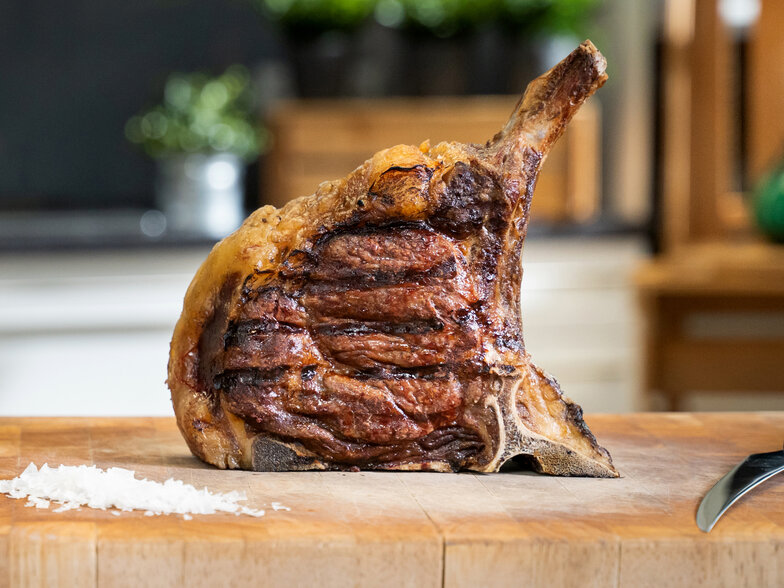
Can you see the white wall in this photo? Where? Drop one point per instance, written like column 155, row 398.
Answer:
column 88, row 333
column 580, row 317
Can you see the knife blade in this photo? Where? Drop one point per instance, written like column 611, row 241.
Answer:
column 749, row 473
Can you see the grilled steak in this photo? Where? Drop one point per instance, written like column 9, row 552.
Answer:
column 376, row 324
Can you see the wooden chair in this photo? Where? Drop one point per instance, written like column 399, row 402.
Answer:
column 713, row 302
column 318, row 140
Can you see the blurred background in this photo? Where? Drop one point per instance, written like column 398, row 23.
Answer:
column 135, row 135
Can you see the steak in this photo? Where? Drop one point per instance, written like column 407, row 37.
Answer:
column 376, row 323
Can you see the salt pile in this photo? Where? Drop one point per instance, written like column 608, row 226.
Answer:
column 75, row 486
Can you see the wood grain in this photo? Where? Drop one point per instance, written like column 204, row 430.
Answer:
column 407, row 529
column 766, row 85
column 700, row 135
column 713, row 285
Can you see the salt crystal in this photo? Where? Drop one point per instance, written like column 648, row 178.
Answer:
column 251, row 512
column 37, row 502
column 278, row 506
column 75, row 486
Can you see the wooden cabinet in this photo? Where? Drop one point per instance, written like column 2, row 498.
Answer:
column 715, row 271
column 714, row 321
column 320, row 140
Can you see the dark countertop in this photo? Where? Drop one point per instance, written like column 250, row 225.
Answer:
column 90, row 230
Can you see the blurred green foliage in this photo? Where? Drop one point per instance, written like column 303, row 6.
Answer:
column 546, row 17
column 445, row 18
column 768, row 205
column 442, row 18
column 315, row 16
column 201, row 114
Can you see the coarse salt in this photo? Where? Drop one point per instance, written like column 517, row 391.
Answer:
column 75, row 486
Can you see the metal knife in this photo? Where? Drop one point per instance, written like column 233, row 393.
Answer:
column 748, row 474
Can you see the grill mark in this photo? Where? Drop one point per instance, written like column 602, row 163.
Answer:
column 369, row 281
column 351, row 227
column 388, row 328
column 258, row 377
column 238, row 332
column 427, row 372
column 252, row 377
column 359, row 279
column 211, row 339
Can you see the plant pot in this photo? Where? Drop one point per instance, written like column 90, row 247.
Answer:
column 201, row 194
column 434, row 66
column 322, row 64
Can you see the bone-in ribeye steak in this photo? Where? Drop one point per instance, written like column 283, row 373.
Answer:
column 376, row 324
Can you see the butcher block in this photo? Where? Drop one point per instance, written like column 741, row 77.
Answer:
column 514, row 528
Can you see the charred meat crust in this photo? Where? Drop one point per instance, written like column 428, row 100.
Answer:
column 379, row 326
column 347, row 347
column 382, row 380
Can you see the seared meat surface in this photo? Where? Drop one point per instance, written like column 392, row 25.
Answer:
column 376, row 324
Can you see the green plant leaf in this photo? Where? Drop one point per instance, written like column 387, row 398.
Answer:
column 201, row 114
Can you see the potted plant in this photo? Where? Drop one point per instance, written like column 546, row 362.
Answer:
column 438, row 37
column 201, row 135
column 480, row 46
column 535, row 34
column 321, row 41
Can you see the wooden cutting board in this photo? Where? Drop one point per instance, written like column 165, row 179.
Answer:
column 407, row 529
